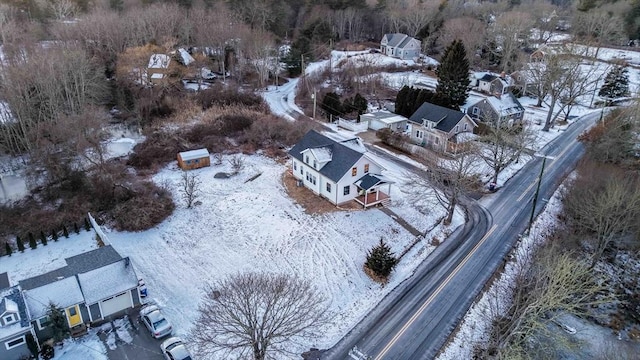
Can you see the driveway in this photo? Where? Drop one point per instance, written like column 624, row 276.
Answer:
column 128, row 339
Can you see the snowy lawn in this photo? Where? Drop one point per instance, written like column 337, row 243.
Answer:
column 255, row 226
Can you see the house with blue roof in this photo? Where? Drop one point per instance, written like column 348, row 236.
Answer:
column 339, row 171
column 15, row 327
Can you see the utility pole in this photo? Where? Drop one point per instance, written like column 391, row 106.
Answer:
column 302, row 64
column 314, row 103
column 535, row 196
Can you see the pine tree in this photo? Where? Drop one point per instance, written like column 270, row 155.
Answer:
column 54, row 235
column 43, row 238
column 8, row 249
column 401, row 100
column 453, row 76
column 360, row 104
column 76, row 229
column 87, row 225
column 20, row 244
column 58, row 323
column 381, row 260
column 32, row 241
column 616, row 84
column 331, row 104
column 65, row 232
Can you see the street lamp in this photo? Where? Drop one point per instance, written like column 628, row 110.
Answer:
column 535, row 196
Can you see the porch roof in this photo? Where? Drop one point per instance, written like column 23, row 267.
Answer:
column 369, row 181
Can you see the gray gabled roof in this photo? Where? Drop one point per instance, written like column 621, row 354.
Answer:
column 342, row 157
column 395, row 39
column 370, row 180
column 76, row 264
column 15, row 295
column 445, row 118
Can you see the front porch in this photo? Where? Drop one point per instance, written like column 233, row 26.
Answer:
column 371, row 199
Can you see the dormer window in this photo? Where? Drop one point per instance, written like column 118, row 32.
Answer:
column 10, row 318
column 307, row 159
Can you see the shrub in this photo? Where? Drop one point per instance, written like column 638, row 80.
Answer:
column 149, row 207
column 54, row 235
column 32, row 241
column 47, row 351
column 7, row 249
column 269, row 130
column 20, row 244
column 43, row 238
column 158, row 149
column 65, row 232
column 218, row 96
column 76, row 229
column 87, row 225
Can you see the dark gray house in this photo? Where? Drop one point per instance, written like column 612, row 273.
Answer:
column 14, row 322
column 439, row 128
column 504, row 110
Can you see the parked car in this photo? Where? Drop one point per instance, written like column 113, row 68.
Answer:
column 174, row 349
column 142, row 287
column 153, row 319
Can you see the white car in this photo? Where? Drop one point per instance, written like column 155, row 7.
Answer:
column 153, row 319
column 174, row 349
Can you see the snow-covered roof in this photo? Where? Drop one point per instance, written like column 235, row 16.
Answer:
column 12, row 298
column 194, row 154
column 322, row 154
column 385, row 117
column 507, row 104
column 8, row 306
column 185, row 56
column 159, row 61
column 157, row 76
column 355, row 144
column 107, row 281
column 63, row 293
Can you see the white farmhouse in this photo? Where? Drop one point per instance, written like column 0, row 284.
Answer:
column 339, row 171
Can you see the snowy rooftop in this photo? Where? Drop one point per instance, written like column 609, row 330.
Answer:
column 323, row 154
column 12, row 300
column 185, row 56
column 384, row 116
column 159, row 61
column 194, row 154
column 108, row 280
column 63, row 293
column 506, row 104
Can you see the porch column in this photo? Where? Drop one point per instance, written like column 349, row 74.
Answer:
column 365, row 198
column 377, row 194
column 389, row 192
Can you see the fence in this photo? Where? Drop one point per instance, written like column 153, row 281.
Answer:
column 353, row 125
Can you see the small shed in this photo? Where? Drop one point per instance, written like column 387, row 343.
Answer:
column 193, row 159
column 384, row 119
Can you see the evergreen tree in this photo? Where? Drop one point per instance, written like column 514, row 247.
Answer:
column 58, row 323
column 453, row 76
column 87, row 225
column 32, row 345
column 331, row 104
column 43, row 238
column 32, row 241
column 8, row 249
column 359, row 104
column 20, row 244
column 76, row 229
column 616, row 84
column 381, row 260
column 117, row 5
column 401, row 100
column 54, row 235
column 65, row 232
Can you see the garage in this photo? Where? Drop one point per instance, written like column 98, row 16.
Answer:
column 384, row 119
column 117, row 303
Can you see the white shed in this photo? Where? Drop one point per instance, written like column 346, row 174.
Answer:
column 384, row 119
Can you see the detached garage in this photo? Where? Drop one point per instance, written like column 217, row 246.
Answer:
column 384, row 119
column 110, row 290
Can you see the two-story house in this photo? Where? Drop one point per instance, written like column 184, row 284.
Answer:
column 338, row 171
column 437, row 127
column 14, row 322
column 504, row 110
column 400, row 46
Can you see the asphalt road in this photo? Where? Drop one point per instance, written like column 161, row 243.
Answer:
column 414, row 320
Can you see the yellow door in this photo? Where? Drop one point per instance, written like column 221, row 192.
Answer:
column 73, row 315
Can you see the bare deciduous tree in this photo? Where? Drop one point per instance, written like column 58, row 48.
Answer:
column 449, row 179
column 510, row 32
column 254, row 315
column 597, row 28
column 237, row 163
column 471, row 31
column 503, row 145
column 190, row 187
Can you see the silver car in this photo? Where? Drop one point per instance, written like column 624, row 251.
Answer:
column 174, row 349
column 153, row 319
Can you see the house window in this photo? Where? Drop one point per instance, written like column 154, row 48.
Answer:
column 465, row 127
column 315, row 164
column 328, row 187
column 354, row 171
column 43, row 322
column 295, row 167
column 11, row 318
column 419, row 134
column 72, row 311
column 312, row 178
column 15, row 342
column 196, row 161
column 346, row 190
column 475, row 111
column 366, row 168
column 307, row 159
column 457, row 129
column 437, row 140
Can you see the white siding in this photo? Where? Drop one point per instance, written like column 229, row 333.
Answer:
column 348, row 179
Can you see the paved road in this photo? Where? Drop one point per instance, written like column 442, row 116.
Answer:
column 414, row 321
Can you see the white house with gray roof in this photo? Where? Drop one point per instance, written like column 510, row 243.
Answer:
column 338, row 171
column 439, row 128
column 400, row 46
